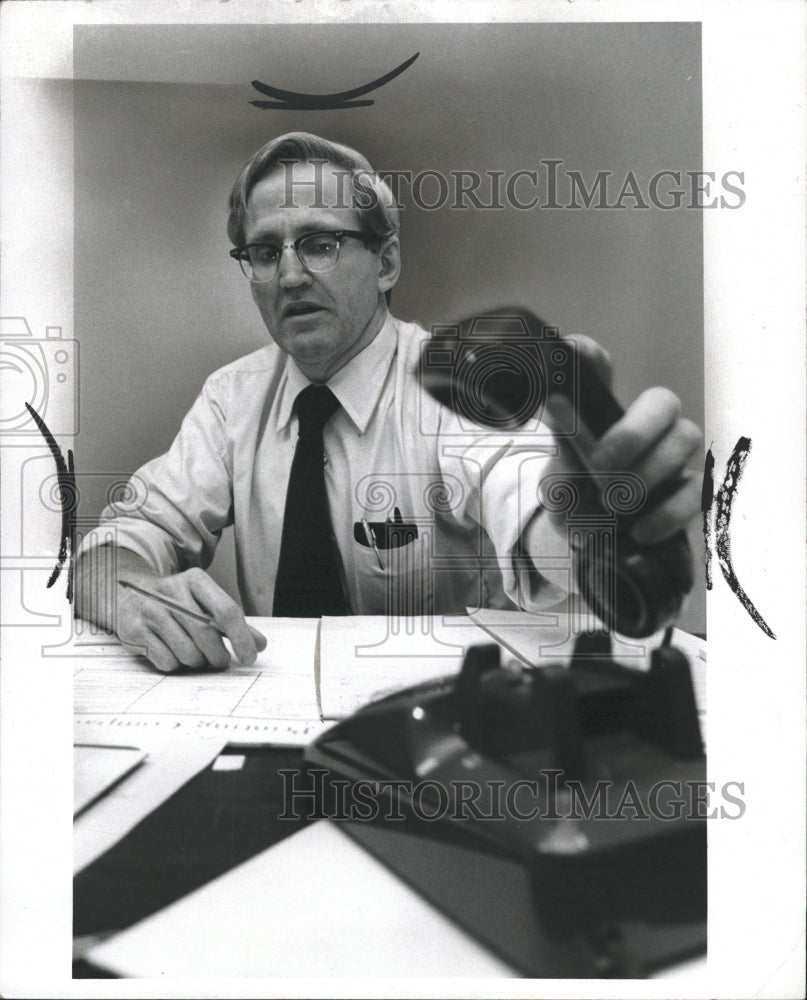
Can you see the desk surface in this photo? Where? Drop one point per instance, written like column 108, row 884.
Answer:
column 342, row 914
column 222, row 818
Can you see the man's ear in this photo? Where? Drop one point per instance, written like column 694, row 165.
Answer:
column 389, row 263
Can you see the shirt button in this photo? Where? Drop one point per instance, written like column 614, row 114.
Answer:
column 324, row 459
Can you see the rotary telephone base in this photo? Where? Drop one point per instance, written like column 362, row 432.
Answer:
column 582, row 855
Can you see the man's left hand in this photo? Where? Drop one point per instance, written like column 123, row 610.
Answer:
column 652, row 441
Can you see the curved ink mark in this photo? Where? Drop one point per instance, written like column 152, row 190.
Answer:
column 68, row 498
column 290, row 100
column 707, row 499
column 281, row 106
column 725, row 498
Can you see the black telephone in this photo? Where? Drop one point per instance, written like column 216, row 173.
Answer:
column 500, row 369
column 504, row 793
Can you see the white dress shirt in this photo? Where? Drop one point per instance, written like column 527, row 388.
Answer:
column 390, row 451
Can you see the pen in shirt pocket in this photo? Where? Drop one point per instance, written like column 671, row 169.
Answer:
column 369, row 534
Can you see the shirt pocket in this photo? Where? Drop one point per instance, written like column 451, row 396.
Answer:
column 395, row 581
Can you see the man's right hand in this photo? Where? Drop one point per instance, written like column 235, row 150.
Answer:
column 168, row 638
column 173, row 640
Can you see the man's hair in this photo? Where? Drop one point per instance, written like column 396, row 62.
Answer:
column 372, row 197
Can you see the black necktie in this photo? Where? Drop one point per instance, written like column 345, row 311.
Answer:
column 308, row 582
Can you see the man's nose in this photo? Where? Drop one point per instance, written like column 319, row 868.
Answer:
column 291, row 272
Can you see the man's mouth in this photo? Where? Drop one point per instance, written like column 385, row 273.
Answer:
column 301, row 309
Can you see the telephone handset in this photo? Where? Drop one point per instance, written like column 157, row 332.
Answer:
column 500, row 369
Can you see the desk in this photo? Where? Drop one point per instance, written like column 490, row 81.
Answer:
column 218, row 820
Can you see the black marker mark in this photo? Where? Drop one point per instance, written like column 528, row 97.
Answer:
column 68, row 498
column 723, row 503
column 707, row 499
column 289, row 100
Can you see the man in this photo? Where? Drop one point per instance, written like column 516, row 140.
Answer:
column 349, row 488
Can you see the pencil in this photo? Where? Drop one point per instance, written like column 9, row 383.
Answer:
column 168, row 603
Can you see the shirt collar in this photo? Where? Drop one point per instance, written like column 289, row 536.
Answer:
column 357, row 385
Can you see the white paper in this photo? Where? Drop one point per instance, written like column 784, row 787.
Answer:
column 236, row 925
column 273, row 701
column 365, row 658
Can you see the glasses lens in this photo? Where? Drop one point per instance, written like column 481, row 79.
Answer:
column 261, row 263
column 320, row 251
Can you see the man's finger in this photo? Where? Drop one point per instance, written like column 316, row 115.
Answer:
column 260, row 639
column 228, row 616
column 671, row 455
column 230, row 619
column 595, row 355
column 671, row 516
column 191, row 643
column 242, row 639
column 208, row 640
column 653, row 414
column 157, row 653
column 179, row 637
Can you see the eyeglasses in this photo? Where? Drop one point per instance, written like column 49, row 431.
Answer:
column 317, row 252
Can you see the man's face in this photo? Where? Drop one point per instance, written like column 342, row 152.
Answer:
column 322, row 319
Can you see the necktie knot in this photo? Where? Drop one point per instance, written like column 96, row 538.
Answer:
column 316, row 404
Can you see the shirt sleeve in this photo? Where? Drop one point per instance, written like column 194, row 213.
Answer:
column 177, row 505
column 501, row 475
